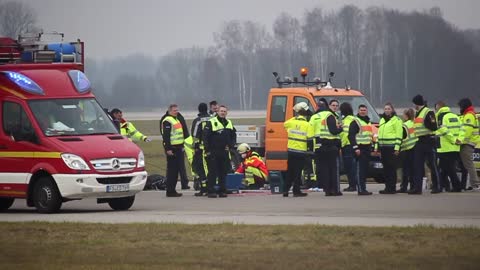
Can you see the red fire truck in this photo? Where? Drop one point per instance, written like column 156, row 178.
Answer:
column 56, row 142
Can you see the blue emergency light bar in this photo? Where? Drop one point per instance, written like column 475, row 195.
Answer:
column 80, row 80
column 24, row 82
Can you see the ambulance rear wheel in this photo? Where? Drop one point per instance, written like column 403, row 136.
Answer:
column 121, row 204
column 5, row 203
column 46, row 197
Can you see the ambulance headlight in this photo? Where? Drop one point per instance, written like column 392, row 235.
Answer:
column 75, row 162
column 141, row 160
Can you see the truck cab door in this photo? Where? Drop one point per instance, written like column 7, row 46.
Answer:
column 275, row 134
column 17, row 144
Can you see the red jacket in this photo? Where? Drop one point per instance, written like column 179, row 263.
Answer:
column 253, row 160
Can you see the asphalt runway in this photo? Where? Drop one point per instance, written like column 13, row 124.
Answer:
column 446, row 209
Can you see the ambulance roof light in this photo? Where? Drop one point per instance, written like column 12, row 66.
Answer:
column 80, row 81
column 24, row 82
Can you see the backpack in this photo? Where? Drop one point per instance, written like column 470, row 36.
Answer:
column 156, row 182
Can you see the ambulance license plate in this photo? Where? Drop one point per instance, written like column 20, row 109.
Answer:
column 118, row 188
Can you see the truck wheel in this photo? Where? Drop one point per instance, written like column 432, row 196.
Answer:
column 46, row 197
column 5, row 203
column 121, row 204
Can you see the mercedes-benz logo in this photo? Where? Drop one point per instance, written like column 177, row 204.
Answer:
column 116, row 164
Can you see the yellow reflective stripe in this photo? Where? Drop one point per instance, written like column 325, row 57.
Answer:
column 12, row 192
column 298, row 132
column 296, row 139
column 297, row 151
column 30, row 154
column 13, row 92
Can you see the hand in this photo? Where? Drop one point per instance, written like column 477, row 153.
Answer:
column 147, row 139
column 357, row 152
column 396, row 152
column 169, row 153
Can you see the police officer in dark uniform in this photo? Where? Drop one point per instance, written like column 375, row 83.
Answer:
column 218, row 137
column 425, row 125
column 173, row 139
column 199, row 164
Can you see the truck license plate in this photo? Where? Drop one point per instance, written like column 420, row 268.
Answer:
column 378, row 165
column 118, row 188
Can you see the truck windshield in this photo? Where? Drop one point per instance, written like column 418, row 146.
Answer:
column 60, row 117
column 355, row 101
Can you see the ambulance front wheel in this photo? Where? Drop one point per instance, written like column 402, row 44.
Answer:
column 6, row 203
column 46, row 197
column 121, row 204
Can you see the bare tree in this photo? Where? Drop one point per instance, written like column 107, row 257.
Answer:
column 288, row 33
column 16, row 18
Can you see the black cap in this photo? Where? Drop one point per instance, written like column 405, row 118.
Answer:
column 464, row 103
column 115, row 110
column 418, row 100
column 202, row 107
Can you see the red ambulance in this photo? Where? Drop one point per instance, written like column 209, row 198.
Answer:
column 56, row 142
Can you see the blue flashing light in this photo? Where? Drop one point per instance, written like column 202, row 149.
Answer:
column 24, row 82
column 80, row 80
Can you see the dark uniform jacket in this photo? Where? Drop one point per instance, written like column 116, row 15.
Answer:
column 217, row 141
column 430, row 123
column 197, row 128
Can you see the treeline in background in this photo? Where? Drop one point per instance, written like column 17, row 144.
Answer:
column 388, row 54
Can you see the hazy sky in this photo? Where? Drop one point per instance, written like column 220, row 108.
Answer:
column 154, row 27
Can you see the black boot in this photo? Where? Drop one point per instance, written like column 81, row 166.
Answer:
column 201, row 193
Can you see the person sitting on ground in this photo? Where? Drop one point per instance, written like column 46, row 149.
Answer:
column 252, row 166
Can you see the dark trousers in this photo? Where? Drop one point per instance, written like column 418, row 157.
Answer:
column 390, row 164
column 425, row 152
column 295, row 164
column 317, row 173
column 218, row 166
column 175, row 163
column 361, row 168
column 349, row 165
column 448, row 169
column 328, row 168
column 463, row 181
column 408, row 163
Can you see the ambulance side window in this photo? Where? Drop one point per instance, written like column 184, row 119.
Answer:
column 16, row 123
column 278, row 109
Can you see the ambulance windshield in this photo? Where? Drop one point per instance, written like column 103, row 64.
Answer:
column 60, row 117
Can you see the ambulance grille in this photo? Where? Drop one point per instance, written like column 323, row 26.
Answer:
column 114, row 180
column 114, row 164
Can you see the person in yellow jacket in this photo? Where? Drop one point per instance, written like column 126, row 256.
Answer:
column 424, row 125
column 173, row 142
column 126, row 128
column 451, row 134
column 470, row 140
column 348, row 155
column 300, row 135
column 327, row 131
column 389, row 142
column 407, row 151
